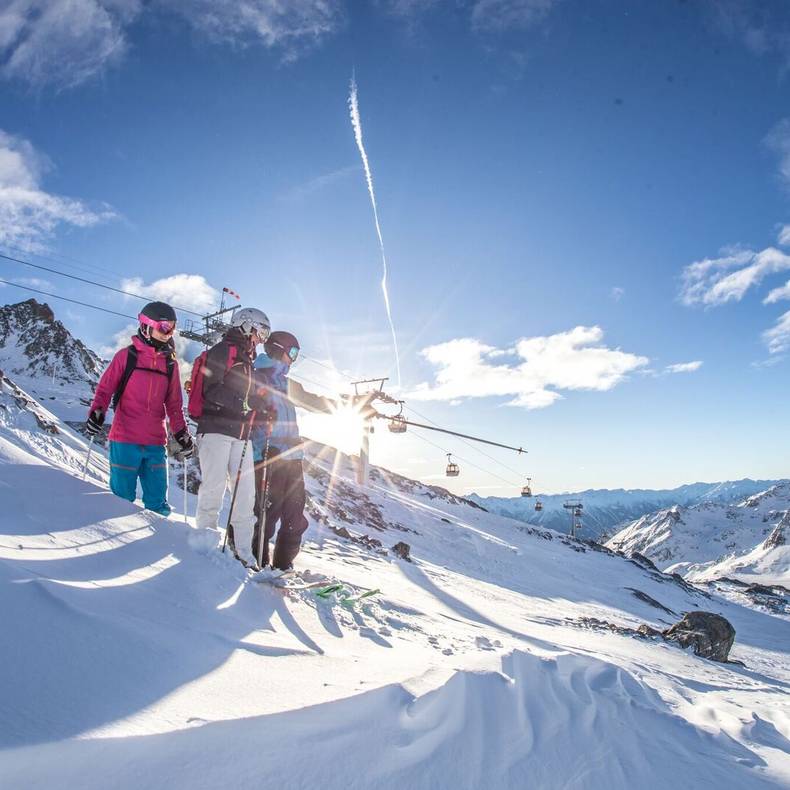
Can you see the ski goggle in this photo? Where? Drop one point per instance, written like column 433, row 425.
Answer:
column 293, row 353
column 262, row 331
column 165, row 327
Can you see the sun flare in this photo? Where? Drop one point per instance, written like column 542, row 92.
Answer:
column 341, row 429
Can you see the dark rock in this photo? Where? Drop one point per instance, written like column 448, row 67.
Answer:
column 640, row 559
column 402, row 550
column 650, row 601
column 648, row 630
column 710, row 635
column 760, row 589
column 777, row 537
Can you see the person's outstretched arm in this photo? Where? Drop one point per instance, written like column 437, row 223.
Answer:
column 300, row 397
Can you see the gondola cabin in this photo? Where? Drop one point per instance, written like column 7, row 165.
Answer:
column 397, row 425
column 527, row 489
column 453, row 470
column 538, row 506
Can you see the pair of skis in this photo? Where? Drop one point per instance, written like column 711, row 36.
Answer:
column 322, row 589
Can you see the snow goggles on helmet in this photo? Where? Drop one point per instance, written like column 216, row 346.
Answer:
column 165, row 327
column 293, row 353
column 262, row 331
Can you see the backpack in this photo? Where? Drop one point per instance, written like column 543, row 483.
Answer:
column 131, row 366
column 197, row 381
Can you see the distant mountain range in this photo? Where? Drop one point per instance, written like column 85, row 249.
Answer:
column 605, row 511
column 747, row 540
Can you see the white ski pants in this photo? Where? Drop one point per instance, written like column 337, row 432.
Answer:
column 220, row 456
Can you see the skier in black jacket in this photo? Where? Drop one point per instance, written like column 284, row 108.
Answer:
column 223, row 428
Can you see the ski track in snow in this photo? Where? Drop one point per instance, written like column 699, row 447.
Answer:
column 135, row 655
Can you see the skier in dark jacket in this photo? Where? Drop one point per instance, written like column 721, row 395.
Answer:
column 282, row 445
column 223, row 428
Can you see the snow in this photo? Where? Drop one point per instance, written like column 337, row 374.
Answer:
column 136, row 655
column 606, row 510
column 711, row 540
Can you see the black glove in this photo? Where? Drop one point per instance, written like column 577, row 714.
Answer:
column 94, row 422
column 187, row 445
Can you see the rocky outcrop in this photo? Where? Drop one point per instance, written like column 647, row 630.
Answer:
column 709, row 635
column 34, row 343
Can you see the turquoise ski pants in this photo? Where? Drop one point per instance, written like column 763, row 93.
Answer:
column 128, row 462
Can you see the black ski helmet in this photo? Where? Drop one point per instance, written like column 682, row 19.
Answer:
column 149, row 316
column 159, row 311
column 279, row 343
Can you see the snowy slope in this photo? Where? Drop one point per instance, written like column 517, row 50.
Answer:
column 606, row 511
column 694, row 540
column 135, row 655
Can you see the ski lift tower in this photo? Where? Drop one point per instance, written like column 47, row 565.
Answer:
column 575, row 509
column 209, row 328
column 369, row 385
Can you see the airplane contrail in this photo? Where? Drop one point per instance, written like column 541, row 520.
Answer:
column 353, row 106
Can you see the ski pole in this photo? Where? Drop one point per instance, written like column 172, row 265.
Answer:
column 88, row 457
column 262, row 506
column 238, row 478
column 186, row 520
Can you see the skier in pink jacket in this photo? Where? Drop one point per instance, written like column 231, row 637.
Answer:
column 142, row 386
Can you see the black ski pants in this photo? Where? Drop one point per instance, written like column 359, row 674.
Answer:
column 285, row 501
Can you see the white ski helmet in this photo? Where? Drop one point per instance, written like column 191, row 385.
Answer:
column 248, row 319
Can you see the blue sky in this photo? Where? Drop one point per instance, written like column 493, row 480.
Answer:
column 574, row 197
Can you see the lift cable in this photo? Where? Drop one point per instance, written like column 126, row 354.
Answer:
column 61, row 260
column 90, row 282
column 465, row 460
column 468, row 444
column 66, row 299
column 518, row 450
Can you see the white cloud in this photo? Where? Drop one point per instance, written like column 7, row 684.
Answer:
column 291, row 26
column 778, row 294
column 777, row 338
column 34, row 282
column 783, row 237
column 191, row 291
column 684, row 367
column 66, row 42
column 318, row 183
column 29, row 215
column 778, row 140
column 572, row 360
column 408, row 8
column 719, row 280
column 62, row 42
column 503, row 15
column 762, row 29
column 617, row 293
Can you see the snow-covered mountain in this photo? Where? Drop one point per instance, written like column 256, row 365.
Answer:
column 46, row 360
column 606, row 511
column 499, row 655
column 745, row 540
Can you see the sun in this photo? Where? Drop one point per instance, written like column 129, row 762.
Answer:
column 341, row 429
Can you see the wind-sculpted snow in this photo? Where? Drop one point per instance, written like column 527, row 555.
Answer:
column 136, row 655
column 549, row 722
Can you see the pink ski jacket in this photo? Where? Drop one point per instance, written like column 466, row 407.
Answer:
column 140, row 416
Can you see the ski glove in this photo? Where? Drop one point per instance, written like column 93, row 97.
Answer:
column 94, row 422
column 187, row 445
